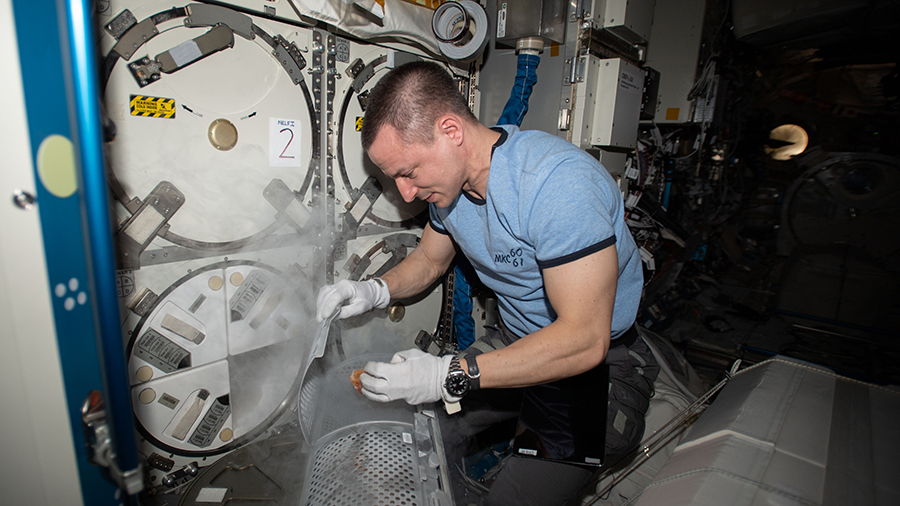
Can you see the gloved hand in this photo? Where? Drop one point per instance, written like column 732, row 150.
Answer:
column 361, row 296
column 412, row 375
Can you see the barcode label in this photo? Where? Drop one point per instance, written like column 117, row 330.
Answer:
column 212, row 422
column 196, row 305
column 168, row 401
column 160, row 352
column 248, row 295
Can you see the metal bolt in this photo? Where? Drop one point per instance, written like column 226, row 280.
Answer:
column 23, row 199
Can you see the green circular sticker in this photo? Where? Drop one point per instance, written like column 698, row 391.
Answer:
column 56, row 166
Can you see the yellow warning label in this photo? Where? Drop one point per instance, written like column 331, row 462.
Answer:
column 358, row 123
column 672, row 113
column 153, row 107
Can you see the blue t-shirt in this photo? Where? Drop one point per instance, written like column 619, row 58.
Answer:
column 548, row 203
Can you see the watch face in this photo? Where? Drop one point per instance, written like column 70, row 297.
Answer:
column 457, row 384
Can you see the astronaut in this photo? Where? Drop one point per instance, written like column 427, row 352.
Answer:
column 542, row 223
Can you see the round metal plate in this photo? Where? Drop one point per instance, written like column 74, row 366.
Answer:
column 223, row 135
column 241, row 344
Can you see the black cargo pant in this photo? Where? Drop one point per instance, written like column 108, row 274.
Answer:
column 522, row 482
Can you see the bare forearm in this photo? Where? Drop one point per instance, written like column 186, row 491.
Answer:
column 583, row 294
column 422, row 267
column 552, row 353
column 412, row 276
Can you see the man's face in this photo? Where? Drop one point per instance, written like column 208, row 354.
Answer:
column 427, row 172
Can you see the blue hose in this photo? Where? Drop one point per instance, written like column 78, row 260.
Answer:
column 517, row 105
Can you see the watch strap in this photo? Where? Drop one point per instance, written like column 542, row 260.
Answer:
column 473, row 372
column 454, row 365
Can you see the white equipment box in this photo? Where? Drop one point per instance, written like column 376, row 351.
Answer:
column 629, row 19
column 608, row 105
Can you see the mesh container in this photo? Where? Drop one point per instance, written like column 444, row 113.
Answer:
column 365, row 452
column 372, row 464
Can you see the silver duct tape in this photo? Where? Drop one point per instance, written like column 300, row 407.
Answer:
column 183, row 329
column 472, row 45
column 145, row 225
column 185, row 53
column 193, row 412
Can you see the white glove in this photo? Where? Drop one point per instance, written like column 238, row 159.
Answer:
column 361, row 296
column 412, row 375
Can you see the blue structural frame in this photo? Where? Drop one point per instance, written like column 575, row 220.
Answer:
column 59, row 77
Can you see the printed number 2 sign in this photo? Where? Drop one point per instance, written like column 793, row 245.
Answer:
column 284, row 143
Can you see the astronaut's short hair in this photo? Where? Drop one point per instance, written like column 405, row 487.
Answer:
column 411, row 98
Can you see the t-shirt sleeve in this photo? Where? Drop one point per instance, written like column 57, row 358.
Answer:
column 572, row 213
column 434, row 218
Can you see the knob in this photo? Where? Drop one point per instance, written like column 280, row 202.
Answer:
column 23, row 199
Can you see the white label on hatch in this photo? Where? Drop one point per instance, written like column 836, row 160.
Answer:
column 284, row 142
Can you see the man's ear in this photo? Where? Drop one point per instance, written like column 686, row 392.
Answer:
column 451, row 126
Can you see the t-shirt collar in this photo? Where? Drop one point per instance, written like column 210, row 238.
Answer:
column 503, row 136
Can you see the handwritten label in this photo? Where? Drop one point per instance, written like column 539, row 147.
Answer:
column 284, row 143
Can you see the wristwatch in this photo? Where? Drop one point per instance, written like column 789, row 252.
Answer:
column 457, row 382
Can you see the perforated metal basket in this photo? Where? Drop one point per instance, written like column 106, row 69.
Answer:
column 370, row 463
column 365, row 452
